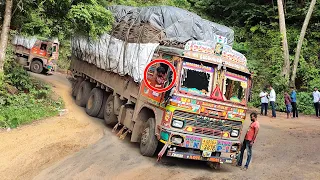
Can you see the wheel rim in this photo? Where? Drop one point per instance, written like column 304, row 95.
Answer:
column 36, row 67
column 109, row 108
column 90, row 102
column 145, row 136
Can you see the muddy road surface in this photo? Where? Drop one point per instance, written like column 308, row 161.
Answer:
column 77, row 147
column 26, row 151
column 285, row 149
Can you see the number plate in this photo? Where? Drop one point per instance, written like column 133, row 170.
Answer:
column 208, row 145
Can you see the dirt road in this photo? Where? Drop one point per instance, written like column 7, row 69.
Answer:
column 285, row 149
column 24, row 152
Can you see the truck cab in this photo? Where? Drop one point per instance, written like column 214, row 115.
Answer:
column 37, row 55
column 205, row 111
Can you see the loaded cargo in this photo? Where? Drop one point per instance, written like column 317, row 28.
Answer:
column 200, row 117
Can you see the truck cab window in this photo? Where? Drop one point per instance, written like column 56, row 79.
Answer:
column 235, row 90
column 54, row 49
column 196, row 79
column 43, row 47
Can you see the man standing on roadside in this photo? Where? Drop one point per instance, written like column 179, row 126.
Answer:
column 264, row 102
column 294, row 103
column 316, row 101
column 249, row 139
column 272, row 99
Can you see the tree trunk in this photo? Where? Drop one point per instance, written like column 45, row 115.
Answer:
column 5, row 32
column 299, row 46
column 283, row 31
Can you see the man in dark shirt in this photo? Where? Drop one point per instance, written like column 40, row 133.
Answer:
column 294, row 103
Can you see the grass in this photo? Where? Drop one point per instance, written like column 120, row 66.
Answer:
column 27, row 106
column 24, row 108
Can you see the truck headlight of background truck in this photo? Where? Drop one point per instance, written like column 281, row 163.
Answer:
column 177, row 123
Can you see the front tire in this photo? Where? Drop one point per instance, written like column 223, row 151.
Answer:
column 149, row 141
column 94, row 102
column 36, row 66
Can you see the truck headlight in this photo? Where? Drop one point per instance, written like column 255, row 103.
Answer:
column 177, row 124
column 234, row 148
column 234, row 133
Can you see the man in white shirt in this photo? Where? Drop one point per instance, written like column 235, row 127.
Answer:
column 264, row 102
column 316, row 101
column 272, row 99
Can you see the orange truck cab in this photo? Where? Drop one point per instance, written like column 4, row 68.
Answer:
column 37, row 55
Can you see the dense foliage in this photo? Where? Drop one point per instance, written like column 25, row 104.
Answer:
column 257, row 35
column 255, row 23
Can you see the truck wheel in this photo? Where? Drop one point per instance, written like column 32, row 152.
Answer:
column 214, row 165
column 83, row 93
column 101, row 112
column 94, row 102
column 36, row 66
column 76, row 85
column 149, row 141
column 109, row 116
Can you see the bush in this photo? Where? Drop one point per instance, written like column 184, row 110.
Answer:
column 64, row 53
column 305, row 102
column 31, row 99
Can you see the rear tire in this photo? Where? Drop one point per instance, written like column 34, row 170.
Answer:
column 83, row 93
column 101, row 112
column 109, row 116
column 149, row 141
column 76, row 86
column 94, row 102
column 36, row 66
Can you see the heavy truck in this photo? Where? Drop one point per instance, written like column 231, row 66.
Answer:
column 200, row 117
column 40, row 56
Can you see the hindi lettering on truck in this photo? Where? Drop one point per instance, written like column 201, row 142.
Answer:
column 200, row 117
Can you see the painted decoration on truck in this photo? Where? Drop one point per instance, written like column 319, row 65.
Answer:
column 192, row 142
column 224, row 146
column 216, row 51
column 198, row 67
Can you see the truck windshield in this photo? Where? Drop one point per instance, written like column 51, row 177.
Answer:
column 196, row 78
column 235, row 87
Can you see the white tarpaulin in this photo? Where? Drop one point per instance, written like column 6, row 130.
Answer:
column 27, row 42
column 114, row 55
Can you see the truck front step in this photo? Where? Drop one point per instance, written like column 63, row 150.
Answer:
column 121, row 130
column 125, row 134
column 116, row 127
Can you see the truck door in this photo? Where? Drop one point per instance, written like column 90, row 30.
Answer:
column 55, row 51
column 43, row 49
column 153, row 97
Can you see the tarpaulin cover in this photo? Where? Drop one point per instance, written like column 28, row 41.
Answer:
column 114, row 55
column 130, row 58
column 27, row 42
column 177, row 24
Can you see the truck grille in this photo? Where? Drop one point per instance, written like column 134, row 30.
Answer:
column 206, row 125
